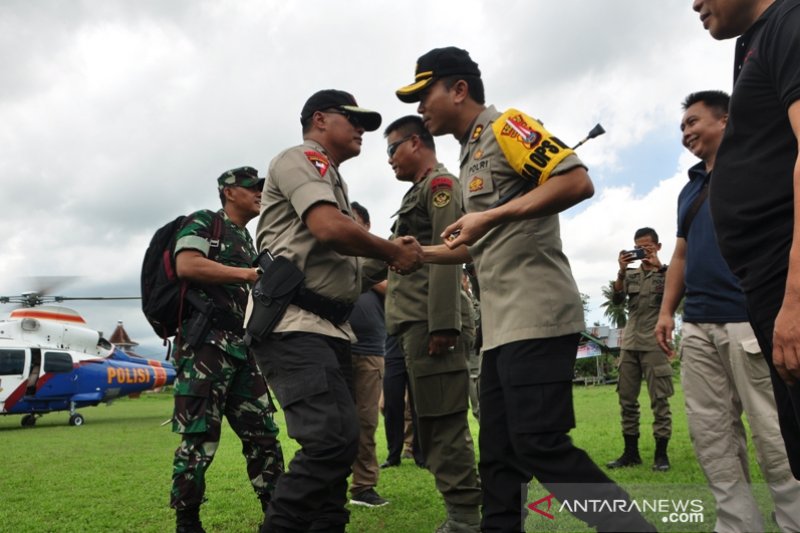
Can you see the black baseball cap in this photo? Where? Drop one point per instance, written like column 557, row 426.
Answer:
column 438, row 63
column 344, row 101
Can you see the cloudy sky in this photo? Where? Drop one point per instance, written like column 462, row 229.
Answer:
column 116, row 116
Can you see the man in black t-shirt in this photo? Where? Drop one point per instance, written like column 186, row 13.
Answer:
column 757, row 171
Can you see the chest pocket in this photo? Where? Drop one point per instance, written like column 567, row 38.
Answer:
column 479, row 189
column 633, row 288
column 410, row 217
column 657, row 291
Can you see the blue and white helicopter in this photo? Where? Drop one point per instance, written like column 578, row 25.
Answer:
column 51, row 361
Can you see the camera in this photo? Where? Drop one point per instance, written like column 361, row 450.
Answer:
column 637, row 253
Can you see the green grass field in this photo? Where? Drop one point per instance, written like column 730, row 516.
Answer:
column 113, row 473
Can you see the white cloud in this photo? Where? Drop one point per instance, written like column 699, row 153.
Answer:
column 117, row 116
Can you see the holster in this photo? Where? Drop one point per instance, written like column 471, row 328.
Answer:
column 273, row 292
column 199, row 323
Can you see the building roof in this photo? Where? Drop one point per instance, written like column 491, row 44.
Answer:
column 120, row 337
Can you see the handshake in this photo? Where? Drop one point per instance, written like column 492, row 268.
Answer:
column 406, row 256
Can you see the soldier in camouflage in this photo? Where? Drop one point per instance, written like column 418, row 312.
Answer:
column 216, row 374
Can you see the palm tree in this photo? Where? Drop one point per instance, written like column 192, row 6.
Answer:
column 615, row 313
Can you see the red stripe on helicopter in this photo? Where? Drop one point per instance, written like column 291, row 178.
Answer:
column 15, row 396
column 46, row 315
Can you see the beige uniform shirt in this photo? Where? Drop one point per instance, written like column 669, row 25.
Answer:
column 527, row 288
column 431, row 293
column 645, row 290
column 298, row 179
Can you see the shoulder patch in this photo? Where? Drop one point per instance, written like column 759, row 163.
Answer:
column 441, row 198
column 532, row 151
column 319, row 161
column 441, row 182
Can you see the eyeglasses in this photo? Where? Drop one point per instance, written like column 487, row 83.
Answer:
column 351, row 118
column 392, row 148
column 252, row 188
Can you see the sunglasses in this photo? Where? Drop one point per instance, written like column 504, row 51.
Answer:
column 351, row 118
column 392, row 148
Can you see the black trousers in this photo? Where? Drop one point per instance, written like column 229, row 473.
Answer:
column 395, row 383
column 526, row 413
column 311, row 376
column 763, row 307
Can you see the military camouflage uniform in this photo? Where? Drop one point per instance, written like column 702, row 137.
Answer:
column 221, row 378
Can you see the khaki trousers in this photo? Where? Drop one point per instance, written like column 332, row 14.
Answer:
column 368, row 383
column 724, row 374
column 440, row 390
column 654, row 367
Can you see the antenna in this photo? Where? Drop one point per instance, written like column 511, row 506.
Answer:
column 595, row 132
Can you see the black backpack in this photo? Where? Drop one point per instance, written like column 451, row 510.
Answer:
column 162, row 292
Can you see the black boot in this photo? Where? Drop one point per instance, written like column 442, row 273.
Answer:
column 661, row 461
column 629, row 457
column 264, row 499
column 188, row 520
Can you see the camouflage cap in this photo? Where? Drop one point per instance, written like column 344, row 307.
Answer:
column 242, row 177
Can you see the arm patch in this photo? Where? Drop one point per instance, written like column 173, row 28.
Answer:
column 319, row 161
column 532, row 151
column 441, row 183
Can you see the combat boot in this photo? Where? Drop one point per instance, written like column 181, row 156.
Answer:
column 661, row 461
column 188, row 520
column 461, row 519
column 265, row 499
column 629, row 457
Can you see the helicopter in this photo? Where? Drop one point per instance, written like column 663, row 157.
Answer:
column 50, row 360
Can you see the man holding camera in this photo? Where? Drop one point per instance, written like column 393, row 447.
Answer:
column 641, row 355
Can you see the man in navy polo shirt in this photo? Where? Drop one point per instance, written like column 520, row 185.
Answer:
column 722, row 370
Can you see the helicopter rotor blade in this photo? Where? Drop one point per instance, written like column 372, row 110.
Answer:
column 65, row 298
column 44, row 285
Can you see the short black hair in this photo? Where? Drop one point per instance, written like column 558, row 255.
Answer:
column 717, row 101
column 361, row 211
column 474, row 84
column 646, row 232
column 412, row 125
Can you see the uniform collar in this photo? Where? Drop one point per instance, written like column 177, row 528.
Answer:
column 477, row 129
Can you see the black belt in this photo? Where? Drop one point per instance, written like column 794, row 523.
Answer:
column 330, row 309
column 335, row 311
column 227, row 322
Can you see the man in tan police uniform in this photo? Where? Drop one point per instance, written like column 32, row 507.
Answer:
column 531, row 308
column 306, row 218
column 423, row 310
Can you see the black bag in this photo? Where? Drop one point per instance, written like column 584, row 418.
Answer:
column 162, row 292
